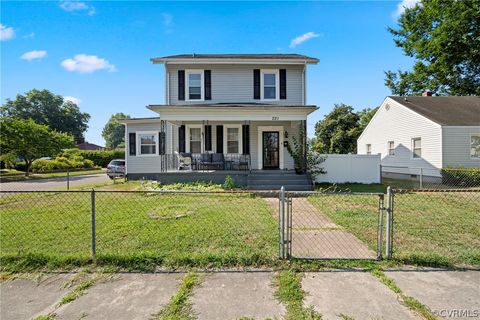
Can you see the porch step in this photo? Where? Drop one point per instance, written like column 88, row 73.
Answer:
column 274, row 180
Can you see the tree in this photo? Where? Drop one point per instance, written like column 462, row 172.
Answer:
column 44, row 107
column 443, row 36
column 114, row 132
column 28, row 140
column 338, row 131
column 365, row 116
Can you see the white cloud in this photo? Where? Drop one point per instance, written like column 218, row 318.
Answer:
column 167, row 19
column 31, row 35
column 71, row 6
column 35, row 54
column 77, row 101
column 304, row 37
column 83, row 63
column 6, row 33
column 404, row 4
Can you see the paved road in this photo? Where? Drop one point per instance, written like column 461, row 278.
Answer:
column 233, row 295
column 59, row 183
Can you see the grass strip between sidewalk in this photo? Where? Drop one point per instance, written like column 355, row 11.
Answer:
column 410, row 302
column 179, row 308
column 290, row 293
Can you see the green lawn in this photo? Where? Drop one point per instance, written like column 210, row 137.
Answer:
column 14, row 175
column 169, row 229
column 436, row 229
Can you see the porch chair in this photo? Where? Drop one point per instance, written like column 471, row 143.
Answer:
column 184, row 161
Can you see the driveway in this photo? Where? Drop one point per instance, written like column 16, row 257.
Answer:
column 59, row 183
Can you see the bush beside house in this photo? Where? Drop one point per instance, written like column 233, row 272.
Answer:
column 469, row 177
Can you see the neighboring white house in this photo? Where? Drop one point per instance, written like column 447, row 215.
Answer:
column 224, row 114
column 426, row 132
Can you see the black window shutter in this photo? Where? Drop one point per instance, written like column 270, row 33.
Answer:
column 132, row 144
column 207, row 74
column 181, row 139
column 246, row 139
column 256, row 84
column 208, row 138
column 161, row 143
column 283, row 84
column 219, row 139
column 181, row 84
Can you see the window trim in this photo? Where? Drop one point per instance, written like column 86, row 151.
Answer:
column 139, row 145
column 392, row 149
column 366, row 148
column 225, row 138
column 470, row 145
column 187, row 84
column 277, row 83
column 413, row 148
column 187, row 137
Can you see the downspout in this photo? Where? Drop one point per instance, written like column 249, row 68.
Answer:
column 304, row 84
column 167, row 85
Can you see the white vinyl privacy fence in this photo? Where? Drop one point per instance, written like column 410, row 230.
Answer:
column 351, row 168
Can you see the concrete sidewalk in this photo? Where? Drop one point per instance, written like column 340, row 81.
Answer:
column 233, row 295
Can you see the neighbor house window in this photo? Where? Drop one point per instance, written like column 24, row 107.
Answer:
column 195, row 140
column 417, row 147
column 475, row 145
column 195, row 84
column 391, row 148
column 369, row 148
column 147, row 143
column 233, row 138
column 270, row 84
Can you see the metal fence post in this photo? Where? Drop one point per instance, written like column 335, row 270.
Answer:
column 92, row 197
column 381, row 207
column 389, row 227
column 421, row 178
column 68, row 179
column 282, row 222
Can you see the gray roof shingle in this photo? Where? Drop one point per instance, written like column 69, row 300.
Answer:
column 446, row 111
column 196, row 56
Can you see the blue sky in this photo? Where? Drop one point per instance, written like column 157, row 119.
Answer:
column 98, row 52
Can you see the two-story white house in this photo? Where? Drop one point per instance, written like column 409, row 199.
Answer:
column 224, row 114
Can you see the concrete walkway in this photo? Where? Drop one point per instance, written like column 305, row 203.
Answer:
column 314, row 235
column 233, row 295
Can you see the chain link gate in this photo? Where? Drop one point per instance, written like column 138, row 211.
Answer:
column 316, row 225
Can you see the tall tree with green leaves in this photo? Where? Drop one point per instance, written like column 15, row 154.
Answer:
column 25, row 139
column 114, row 132
column 338, row 131
column 443, row 36
column 49, row 109
column 365, row 116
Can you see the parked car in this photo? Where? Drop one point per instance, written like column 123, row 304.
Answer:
column 116, row 168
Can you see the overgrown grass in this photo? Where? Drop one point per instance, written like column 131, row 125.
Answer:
column 408, row 301
column 430, row 229
column 290, row 293
column 173, row 230
column 179, row 308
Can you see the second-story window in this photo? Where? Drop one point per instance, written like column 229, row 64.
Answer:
column 195, row 84
column 391, row 148
column 269, row 84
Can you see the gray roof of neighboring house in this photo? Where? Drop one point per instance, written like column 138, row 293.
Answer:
column 195, row 56
column 446, row 111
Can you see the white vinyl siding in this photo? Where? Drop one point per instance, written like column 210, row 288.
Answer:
column 457, row 147
column 401, row 125
column 234, row 83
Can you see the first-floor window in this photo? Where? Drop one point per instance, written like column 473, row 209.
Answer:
column 475, row 145
column 148, row 143
column 232, row 140
column 369, row 148
column 391, row 148
column 195, row 140
column 417, row 147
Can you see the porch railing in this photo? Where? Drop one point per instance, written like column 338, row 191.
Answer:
column 204, row 162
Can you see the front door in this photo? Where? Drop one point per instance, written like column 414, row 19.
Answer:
column 271, row 149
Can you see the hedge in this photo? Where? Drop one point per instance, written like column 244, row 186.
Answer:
column 469, row 177
column 100, row 158
column 61, row 163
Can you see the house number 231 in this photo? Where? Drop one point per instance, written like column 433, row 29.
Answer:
column 275, row 118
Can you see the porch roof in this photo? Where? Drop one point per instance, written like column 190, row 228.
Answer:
column 236, row 111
